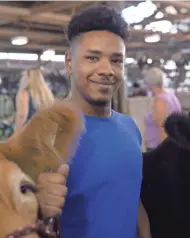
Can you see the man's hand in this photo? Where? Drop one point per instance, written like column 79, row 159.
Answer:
column 52, row 191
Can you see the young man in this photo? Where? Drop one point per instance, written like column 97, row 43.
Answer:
column 105, row 174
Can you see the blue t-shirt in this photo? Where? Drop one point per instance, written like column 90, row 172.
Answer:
column 104, row 181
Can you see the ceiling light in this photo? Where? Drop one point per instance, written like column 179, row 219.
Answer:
column 130, row 61
column 186, row 89
column 179, row 90
column 19, row 40
column 170, row 65
column 161, row 61
column 49, row 52
column 173, row 29
column 47, row 55
column 129, row 84
column 172, row 74
column 54, row 58
column 58, row 58
column 187, row 81
column 163, row 26
column 183, row 10
column 187, row 67
column 166, row 82
column 152, row 38
column 159, row 15
column 138, row 27
column 187, row 74
column 18, row 56
column 135, row 14
column 183, row 27
column 171, row 10
column 149, row 61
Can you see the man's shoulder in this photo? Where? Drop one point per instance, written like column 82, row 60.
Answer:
column 129, row 123
column 124, row 117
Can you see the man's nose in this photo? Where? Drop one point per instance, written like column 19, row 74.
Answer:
column 105, row 69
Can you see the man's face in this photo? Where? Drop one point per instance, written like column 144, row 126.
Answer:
column 96, row 66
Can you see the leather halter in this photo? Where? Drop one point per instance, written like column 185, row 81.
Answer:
column 40, row 228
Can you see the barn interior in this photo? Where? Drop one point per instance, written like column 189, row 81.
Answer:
column 33, row 35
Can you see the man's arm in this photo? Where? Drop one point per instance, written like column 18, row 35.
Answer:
column 143, row 226
column 51, row 196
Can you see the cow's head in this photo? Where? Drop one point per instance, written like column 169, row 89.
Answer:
column 48, row 140
column 18, row 202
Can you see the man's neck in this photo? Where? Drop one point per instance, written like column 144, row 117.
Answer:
column 90, row 109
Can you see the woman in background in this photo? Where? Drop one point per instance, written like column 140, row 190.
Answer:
column 163, row 105
column 33, row 94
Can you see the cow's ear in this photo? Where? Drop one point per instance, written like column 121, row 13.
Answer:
column 47, row 140
column 177, row 127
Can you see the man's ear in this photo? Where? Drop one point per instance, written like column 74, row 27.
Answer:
column 68, row 62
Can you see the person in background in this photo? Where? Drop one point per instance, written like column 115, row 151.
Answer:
column 162, row 106
column 33, row 93
column 138, row 91
column 105, row 175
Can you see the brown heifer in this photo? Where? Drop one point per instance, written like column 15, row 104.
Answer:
column 49, row 139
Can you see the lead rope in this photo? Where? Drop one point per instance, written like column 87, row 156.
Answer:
column 53, row 225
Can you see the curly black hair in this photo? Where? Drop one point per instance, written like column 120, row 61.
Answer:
column 97, row 17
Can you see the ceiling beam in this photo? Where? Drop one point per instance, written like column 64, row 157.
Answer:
column 158, row 47
column 53, row 6
column 171, row 18
column 32, row 46
column 38, row 47
column 119, row 5
column 175, row 17
column 45, row 7
column 177, row 36
column 20, row 13
column 31, row 34
column 131, row 47
column 15, row 65
column 44, row 36
column 135, row 45
column 41, row 36
column 177, row 4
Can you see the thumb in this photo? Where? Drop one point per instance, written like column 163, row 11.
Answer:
column 63, row 169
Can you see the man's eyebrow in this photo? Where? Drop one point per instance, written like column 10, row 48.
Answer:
column 98, row 52
column 117, row 54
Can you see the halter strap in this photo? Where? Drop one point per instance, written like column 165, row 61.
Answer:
column 39, row 228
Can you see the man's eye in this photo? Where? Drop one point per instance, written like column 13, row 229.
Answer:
column 117, row 61
column 92, row 58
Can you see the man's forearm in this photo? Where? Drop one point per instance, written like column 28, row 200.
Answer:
column 143, row 226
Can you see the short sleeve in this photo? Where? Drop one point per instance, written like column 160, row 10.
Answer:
column 138, row 132
column 135, row 129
